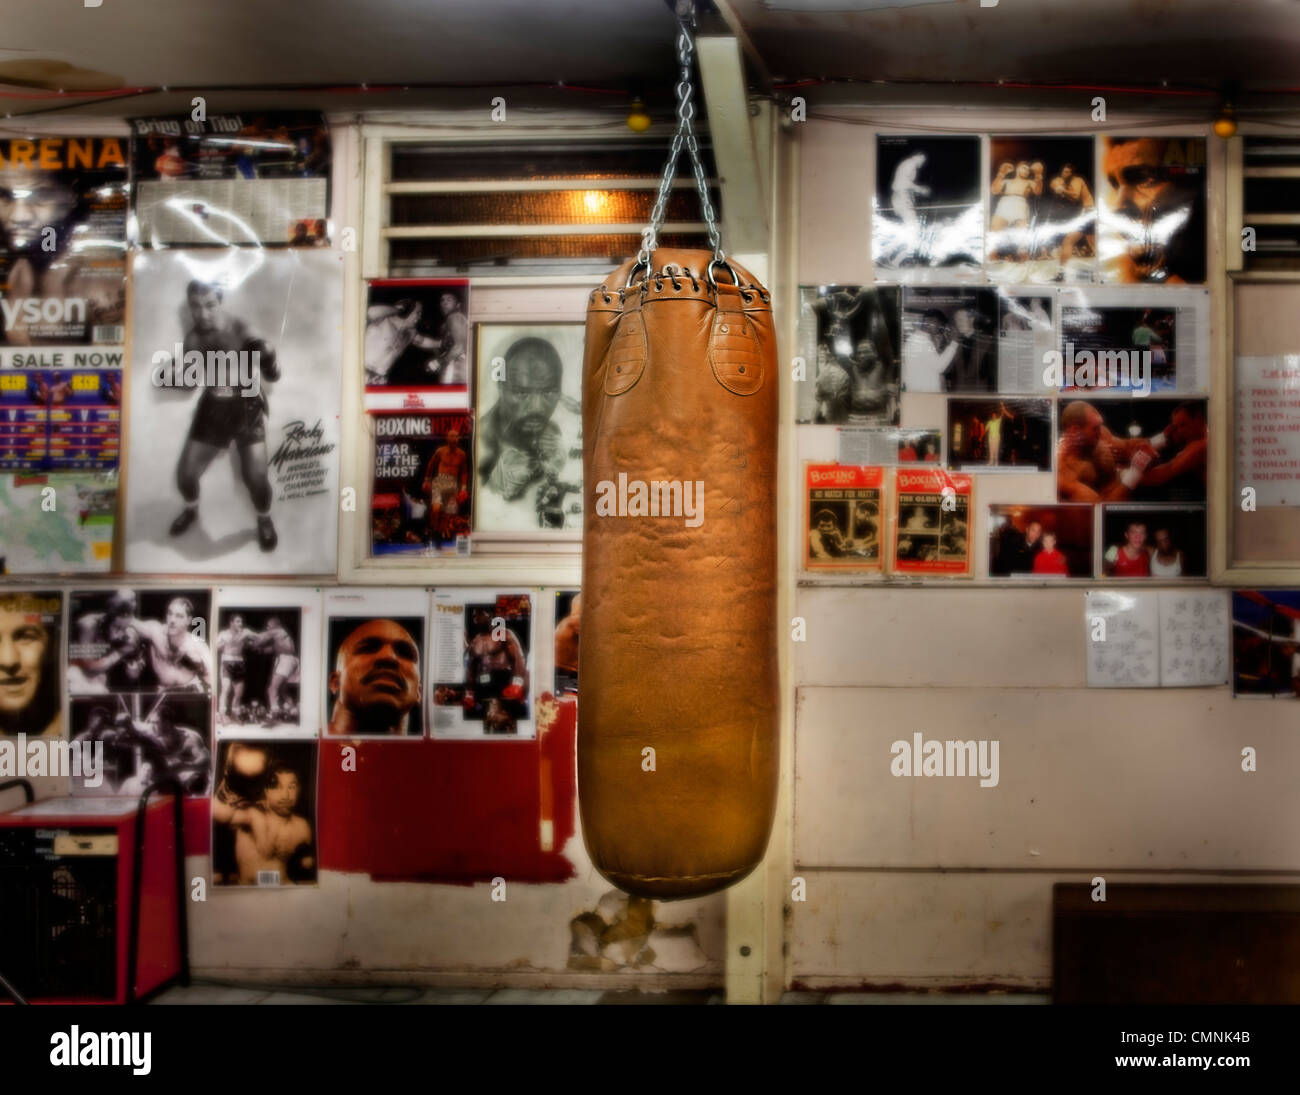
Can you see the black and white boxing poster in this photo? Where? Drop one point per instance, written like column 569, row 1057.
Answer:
column 233, row 445
column 374, row 663
column 849, row 342
column 267, row 661
column 139, row 679
column 264, row 814
column 927, row 214
column 416, row 353
column 529, row 436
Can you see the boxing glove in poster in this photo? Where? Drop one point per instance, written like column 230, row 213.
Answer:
column 234, row 399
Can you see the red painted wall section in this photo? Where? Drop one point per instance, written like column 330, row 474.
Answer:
column 453, row 811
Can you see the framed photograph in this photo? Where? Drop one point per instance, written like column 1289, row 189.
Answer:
column 528, row 465
column 1041, row 542
column 416, row 352
column 1000, row 434
column 375, row 658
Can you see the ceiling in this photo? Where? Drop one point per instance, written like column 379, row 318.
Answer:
column 231, row 47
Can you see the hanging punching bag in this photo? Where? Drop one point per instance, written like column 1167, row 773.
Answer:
column 677, row 722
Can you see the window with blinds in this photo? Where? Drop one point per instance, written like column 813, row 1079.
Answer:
column 1271, row 201
column 573, row 207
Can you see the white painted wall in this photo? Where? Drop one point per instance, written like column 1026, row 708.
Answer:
column 937, row 882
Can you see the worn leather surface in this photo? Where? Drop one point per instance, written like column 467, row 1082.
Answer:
column 678, row 648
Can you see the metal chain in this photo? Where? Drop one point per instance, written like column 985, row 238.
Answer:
column 684, row 135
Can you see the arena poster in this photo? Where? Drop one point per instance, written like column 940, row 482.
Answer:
column 374, row 663
column 928, row 211
column 422, row 497
column 416, row 352
column 482, row 665
column 31, row 694
column 888, row 446
column 139, row 679
column 57, row 524
column 950, row 339
column 1042, row 213
column 849, row 345
column 1161, row 542
column 932, row 513
column 254, row 178
column 235, row 367
column 63, row 210
column 845, row 517
column 568, row 622
column 528, row 468
column 1143, row 450
column 1026, row 335
column 1266, row 643
column 267, row 667
column 1153, row 210
column 1000, row 435
column 264, row 814
column 1041, row 542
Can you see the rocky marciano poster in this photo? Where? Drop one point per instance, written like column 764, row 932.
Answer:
column 233, row 446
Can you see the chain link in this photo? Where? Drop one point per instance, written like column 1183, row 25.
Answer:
column 684, row 136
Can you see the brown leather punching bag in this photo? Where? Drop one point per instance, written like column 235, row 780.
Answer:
column 678, row 651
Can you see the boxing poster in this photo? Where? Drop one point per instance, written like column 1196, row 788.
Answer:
column 374, row 663
column 528, row 468
column 31, row 693
column 139, row 679
column 1042, row 210
column 264, row 814
column 1163, row 542
column 266, row 664
column 481, row 668
column 849, row 345
column 1000, row 435
column 256, row 178
column 235, row 378
column 932, row 513
column 416, row 352
column 1142, row 450
column 1266, row 643
column 422, row 501
column 927, row 217
column 845, row 517
column 568, row 620
column 1153, row 210
column 950, row 339
column 1026, row 335
column 1042, row 543
column 57, row 524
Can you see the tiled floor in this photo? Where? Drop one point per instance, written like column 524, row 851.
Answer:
column 206, row 993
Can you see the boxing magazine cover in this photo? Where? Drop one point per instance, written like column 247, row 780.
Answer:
column 1153, row 210
column 844, row 517
column 416, row 352
column 482, row 665
column 422, row 499
column 932, row 512
column 568, row 622
column 1042, row 210
column 1266, row 643
column 139, row 679
column 31, row 692
column 927, row 215
column 950, row 339
column 233, row 455
column 254, row 178
column 528, row 468
column 267, row 667
column 374, row 663
column 264, row 814
column 849, row 344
